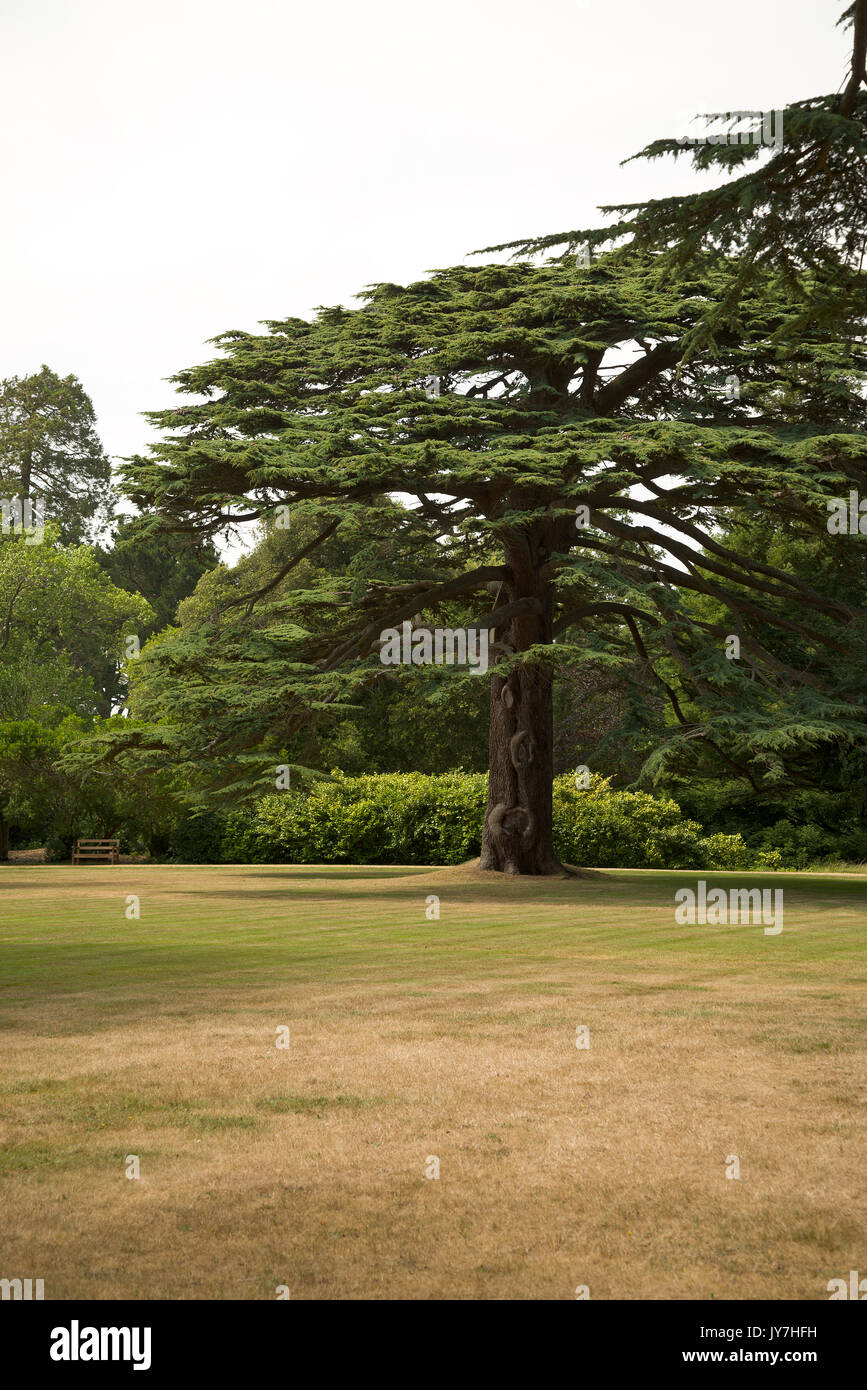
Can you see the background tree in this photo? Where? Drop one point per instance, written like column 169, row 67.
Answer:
column 61, row 620
column 28, row 750
column 163, row 569
column 49, row 449
column 62, row 624
column 38, row 796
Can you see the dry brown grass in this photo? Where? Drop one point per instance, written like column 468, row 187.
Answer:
column 410, row 1038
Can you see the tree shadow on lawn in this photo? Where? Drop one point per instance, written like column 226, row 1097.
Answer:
column 636, row 888
column 339, row 870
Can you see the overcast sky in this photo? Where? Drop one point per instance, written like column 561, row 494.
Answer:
column 181, row 167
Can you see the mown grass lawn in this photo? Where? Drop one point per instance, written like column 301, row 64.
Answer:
column 412, row 1040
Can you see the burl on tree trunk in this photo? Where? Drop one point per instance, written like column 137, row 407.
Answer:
column 518, row 831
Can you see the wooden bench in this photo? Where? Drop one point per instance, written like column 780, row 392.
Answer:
column 96, row 852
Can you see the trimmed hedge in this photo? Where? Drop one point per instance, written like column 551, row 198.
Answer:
column 415, row 818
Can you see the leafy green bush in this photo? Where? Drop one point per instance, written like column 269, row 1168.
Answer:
column 802, row 846
column 394, row 818
column 634, row 830
column 732, row 852
column 202, row 839
column 415, row 818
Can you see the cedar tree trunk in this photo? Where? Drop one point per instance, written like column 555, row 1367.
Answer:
column 518, row 833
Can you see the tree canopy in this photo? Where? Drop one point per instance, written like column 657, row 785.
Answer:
column 800, row 214
column 560, row 390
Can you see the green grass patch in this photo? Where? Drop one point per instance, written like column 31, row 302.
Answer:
column 313, row 1105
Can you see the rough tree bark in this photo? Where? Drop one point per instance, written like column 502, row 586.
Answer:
column 518, row 833
column 4, row 841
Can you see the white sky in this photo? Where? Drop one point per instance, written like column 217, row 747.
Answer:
column 177, row 168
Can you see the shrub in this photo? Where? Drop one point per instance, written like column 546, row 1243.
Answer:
column 199, row 839
column 415, row 818
column 634, row 830
column 732, row 852
column 800, row 846
column 394, row 818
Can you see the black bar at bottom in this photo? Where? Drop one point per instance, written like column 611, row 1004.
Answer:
column 162, row 1340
